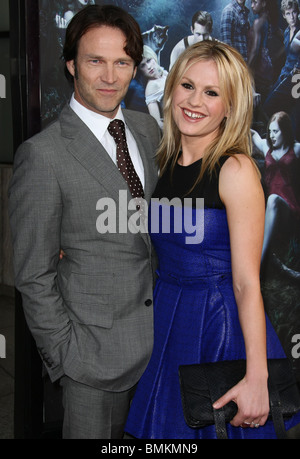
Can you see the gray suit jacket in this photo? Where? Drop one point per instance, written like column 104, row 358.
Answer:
column 91, row 312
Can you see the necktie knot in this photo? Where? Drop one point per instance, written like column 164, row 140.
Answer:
column 116, row 128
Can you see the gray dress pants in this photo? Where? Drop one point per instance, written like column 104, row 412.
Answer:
column 91, row 413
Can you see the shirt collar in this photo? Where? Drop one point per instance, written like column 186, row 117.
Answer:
column 239, row 7
column 94, row 120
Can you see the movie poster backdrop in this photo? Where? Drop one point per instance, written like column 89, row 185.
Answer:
column 164, row 24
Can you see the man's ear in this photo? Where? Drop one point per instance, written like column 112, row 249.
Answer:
column 134, row 72
column 71, row 67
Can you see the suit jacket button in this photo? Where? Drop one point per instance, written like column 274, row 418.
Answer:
column 148, row 302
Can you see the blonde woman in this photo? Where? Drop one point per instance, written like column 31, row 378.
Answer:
column 207, row 301
column 155, row 78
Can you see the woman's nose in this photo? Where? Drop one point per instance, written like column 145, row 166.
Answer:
column 195, row 98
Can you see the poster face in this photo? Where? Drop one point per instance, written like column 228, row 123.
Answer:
column 167, row 29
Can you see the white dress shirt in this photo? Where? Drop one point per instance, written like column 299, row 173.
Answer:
column 98, row 124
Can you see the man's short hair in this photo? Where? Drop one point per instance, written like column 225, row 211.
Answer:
column 203, row 18
column 288, row 4
column 93, row 16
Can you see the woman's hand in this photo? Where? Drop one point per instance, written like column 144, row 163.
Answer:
column 252, row 399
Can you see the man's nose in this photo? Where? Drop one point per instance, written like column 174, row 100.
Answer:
column 109, row 74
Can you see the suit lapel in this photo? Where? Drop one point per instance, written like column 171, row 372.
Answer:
column 86, row 148
column 140, row 133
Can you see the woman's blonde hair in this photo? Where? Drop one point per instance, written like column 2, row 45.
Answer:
column 236, row 90
column 149, row 53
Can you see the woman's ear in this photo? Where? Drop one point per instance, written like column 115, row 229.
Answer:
column 228, row 113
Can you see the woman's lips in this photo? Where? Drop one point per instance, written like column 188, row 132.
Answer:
column 193, row 115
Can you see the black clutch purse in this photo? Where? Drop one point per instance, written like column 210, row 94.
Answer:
column 202, row 384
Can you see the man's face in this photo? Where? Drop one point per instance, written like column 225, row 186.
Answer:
column 291, row 16
column 102, row 70
column 200, row 32
column 257, row 6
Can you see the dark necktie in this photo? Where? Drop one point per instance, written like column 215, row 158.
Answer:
column 116, row 129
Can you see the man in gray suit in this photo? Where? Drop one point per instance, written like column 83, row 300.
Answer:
column 91, row 311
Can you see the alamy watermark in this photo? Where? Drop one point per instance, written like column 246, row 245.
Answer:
column 2, row 347
column 296, row 347
column 114, row 216
column 2, row 87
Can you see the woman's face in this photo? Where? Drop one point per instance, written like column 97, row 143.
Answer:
column 197, row 105
column 275, row 135
column 149, row 68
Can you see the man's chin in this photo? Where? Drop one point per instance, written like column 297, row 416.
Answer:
column 109, row 112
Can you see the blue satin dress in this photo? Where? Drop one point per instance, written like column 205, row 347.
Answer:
column 195, row 313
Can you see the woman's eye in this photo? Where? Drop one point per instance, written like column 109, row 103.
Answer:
column 212, row 93
column 187, row 85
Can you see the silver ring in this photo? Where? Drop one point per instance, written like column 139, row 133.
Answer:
column 255, row 425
